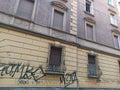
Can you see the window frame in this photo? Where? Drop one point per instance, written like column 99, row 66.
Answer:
column 111, row 3
column 91, row 24
column 119, row 65
column 62, row 65
column 64, row 17
column 33, row 11
column 115, row 34
column 113, row 19
column 91, row 7
column 96, row 64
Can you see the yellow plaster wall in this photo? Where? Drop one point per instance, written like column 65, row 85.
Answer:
column 16, row 47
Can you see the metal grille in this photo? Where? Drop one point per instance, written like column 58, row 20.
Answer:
column 55, row 59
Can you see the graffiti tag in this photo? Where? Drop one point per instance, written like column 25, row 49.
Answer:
column 26, row 71
column 68, row 78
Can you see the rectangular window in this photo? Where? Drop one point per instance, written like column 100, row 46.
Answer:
column 58, row 20
column 113, row 19
column 111, row 2
column 119, row 65
column 25, row 9
column 90, row 33
column 55, row 59
column 92, row 66
column 89, row 6
column 116, row 41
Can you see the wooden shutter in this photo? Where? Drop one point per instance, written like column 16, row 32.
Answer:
column 89, row 32
column 58, row 20
column 55, row 56
column 25, row 9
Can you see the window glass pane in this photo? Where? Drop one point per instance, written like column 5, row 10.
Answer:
column 88, row 6
column 25, row 9
column 58, row 20
column 89, row 32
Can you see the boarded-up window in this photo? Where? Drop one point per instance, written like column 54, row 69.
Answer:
column 116, row 42
column 25, row 9
column 91, row 66
column 55, row 59
column 89, row 32
column 58, row 20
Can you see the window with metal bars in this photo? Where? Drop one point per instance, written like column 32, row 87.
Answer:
column 54, row 64
column 92, row 66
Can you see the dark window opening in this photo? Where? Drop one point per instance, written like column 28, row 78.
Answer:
column 119, row 65
column 55, row 59
column 88, row 6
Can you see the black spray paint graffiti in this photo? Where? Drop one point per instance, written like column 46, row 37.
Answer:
column 26, row 71
column 68, row 78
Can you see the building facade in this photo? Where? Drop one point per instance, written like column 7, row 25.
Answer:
column 59, row 44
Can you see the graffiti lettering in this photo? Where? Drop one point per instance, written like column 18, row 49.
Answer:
column 68, row 78
column 26, row 71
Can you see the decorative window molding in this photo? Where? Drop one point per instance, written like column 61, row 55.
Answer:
column 116, row 31
column 63, row 17
column 88, row 19
column 90, row 35
column 52, row 67
column 59, row 5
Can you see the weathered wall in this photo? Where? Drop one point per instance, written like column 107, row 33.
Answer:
column 16, row 47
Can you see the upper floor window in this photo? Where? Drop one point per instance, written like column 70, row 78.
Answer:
column 25, row 9
column 90, row 32
column 58, row 20
column 116, row 41
column 111, row 2
column 113, row 19
column 89, row 6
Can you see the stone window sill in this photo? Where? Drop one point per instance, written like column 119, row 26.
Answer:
column 89, row 13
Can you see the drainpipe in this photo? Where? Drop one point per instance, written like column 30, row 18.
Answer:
column 77, row 65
